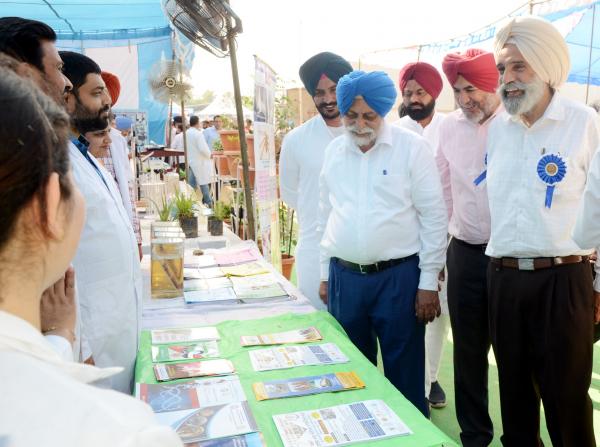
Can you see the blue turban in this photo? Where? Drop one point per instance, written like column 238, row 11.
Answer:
column 375, row 87
column 328, row 64
column 123, row 122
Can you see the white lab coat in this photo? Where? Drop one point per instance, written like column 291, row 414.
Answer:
column 199, row 157
column 107, row 273
column 46, row 401
column 300, row 164
column 118, row 152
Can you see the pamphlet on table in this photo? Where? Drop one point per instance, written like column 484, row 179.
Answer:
column 187, row 351
column 282, row 357
column 304, row 386
column 296, row 336
column 184, row 335
column 172, row 371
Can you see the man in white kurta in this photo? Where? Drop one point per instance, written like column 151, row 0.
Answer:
column 201, row 165
column 107, row 264
column 301, row 160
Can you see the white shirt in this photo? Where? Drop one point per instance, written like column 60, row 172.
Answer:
column 587, row 227
column 521, row 225
column 177, row 142
column 46, row 401
column 383, row 204
column 431, row 132
column 300, row 162
column 107, row 272
column 199, row 156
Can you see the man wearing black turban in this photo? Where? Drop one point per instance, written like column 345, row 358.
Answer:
column 301, row 161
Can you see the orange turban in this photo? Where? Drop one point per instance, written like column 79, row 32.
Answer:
column 112, row 85
column 477, row 66
column 423, row 73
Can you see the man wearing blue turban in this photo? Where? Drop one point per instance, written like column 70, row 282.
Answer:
column 302, row 154
column 383, row 224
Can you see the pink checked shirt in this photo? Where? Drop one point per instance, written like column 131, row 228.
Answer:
column 460, row 160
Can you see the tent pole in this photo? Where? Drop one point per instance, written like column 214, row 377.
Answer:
column 241, row 132
column 587, row 87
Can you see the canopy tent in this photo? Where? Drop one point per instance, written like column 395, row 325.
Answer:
column 223, row 105
column 125, row 38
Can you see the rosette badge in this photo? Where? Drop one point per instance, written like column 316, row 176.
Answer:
column 551, row 170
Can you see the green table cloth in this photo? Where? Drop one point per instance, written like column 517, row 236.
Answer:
column 425, row 434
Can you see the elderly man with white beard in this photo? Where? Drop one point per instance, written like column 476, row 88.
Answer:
column 541, row 294
column 384, row 224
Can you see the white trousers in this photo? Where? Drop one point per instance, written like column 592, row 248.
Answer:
column 436, row 334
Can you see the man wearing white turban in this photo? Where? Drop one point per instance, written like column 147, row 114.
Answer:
column 541, row 294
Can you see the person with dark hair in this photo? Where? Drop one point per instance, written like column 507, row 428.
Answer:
column 201, row 165
column 302, row 154
column 212, row 133
column 33, row 43
column 107, row 260
column 43, row 213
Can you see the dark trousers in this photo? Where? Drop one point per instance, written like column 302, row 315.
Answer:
column 541, row 324
column 468, row 305
column 382, row 306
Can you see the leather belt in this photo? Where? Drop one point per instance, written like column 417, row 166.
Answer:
column 538, row 263
column 366, row 269
column 481, row 247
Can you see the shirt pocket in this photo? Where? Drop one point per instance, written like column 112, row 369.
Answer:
column 390, row 190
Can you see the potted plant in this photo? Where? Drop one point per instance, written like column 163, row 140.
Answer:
column 220, row 158
column 221, row 211
column 165, row 210
column 287, row 239
column 184, row 206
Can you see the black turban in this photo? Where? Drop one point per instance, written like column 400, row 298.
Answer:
column 328, row 64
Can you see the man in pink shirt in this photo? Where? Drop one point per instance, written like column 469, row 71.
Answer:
column 461, row 160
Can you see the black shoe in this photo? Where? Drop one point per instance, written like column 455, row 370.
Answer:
column 437, row 397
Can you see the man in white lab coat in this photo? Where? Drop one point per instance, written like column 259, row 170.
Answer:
column 107, row 264
column 201, row 165
column 301, row 160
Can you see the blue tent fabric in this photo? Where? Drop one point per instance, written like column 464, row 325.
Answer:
column 81, row 24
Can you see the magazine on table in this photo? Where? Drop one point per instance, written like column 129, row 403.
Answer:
column 184, row 335
column 209, row 296
column 257, row 287
column 248, row 269
column 364, row 421
column 172, row 371
column 202, row 273
column 203, row 261
column 214, row 422
column 282, row 357
column 206, row 284
column 238, row 257
column 201, row 393
column 304, row 386
column 187, row 351
column 295, row 336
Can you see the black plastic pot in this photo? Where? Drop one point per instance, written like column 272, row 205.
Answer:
column 189, row 225
column 215, row 226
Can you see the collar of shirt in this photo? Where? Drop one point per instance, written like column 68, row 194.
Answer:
column 18, row 335
column 555, row 112
column 82, row 144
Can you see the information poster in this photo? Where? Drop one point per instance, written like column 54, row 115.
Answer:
column 267, row 203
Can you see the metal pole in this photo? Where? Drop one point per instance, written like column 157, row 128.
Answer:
column 185, row 152
column 242, row 133
column 587, row 87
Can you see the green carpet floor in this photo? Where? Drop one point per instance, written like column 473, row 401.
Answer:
column 445, row 418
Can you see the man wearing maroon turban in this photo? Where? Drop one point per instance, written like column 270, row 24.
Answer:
column 420, row 85
column 461, row 160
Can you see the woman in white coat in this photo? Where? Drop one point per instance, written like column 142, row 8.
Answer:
column 46, row 400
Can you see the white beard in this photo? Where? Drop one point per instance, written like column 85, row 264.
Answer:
column 363, row 137
column 532, row 94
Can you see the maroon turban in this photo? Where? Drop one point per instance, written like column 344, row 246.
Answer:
column 112, row 85
column 477, row 66
column 425, row 75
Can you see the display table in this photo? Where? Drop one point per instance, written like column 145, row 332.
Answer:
column 377, row 386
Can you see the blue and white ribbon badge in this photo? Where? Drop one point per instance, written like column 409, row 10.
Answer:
column 551, row 170
column 483, row 175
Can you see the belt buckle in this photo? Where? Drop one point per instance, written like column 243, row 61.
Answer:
column 360, row 269
column 525, row 264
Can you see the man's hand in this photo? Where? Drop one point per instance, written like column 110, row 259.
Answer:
column 323, row 291
column 427, row 305
column 596, row 307
column 57, row 307
column 441, row 279
column 140, row 251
